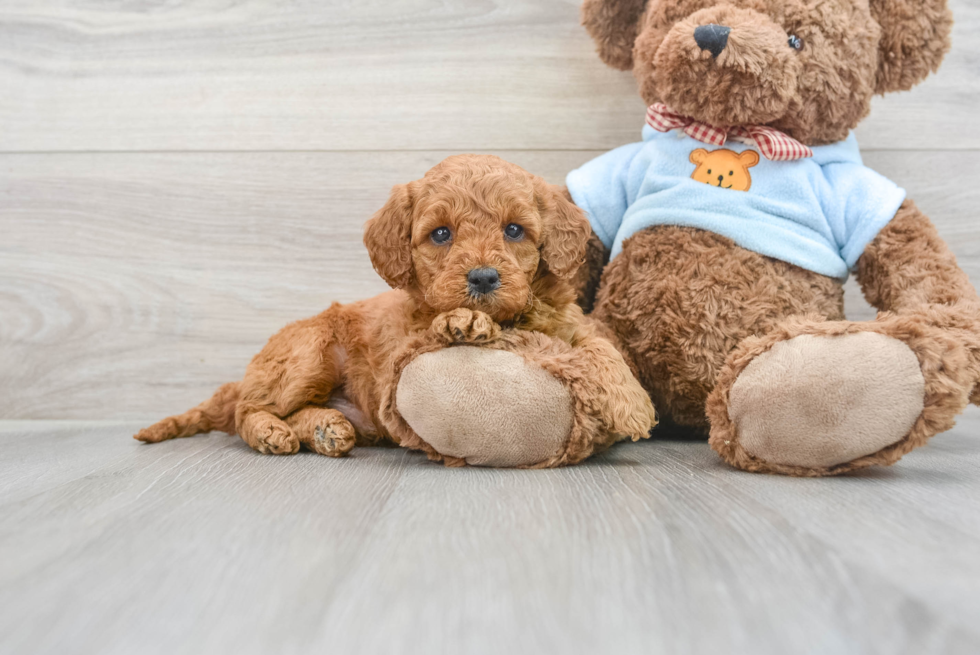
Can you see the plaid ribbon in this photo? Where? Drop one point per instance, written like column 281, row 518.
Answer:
column 773, row 144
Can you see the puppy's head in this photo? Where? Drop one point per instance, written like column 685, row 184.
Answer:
column 477, row 232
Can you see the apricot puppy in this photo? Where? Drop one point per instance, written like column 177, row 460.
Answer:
column 475, row 246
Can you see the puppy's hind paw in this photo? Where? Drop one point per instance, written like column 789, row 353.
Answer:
column 464, row 325
column 278, row 440
column 333, row 440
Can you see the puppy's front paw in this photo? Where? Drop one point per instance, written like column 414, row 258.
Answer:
column 629, row 412
column 465, row 326
column 641, row 420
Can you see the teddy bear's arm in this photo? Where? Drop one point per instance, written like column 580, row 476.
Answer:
column 908, row 266
column 908, row 269
column 586, row 281
column 588, row 275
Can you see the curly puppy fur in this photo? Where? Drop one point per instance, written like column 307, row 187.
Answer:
column 691, row 308
column 320, row 382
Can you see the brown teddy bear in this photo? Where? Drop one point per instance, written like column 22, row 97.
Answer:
column 725, row 287
column 731, row 302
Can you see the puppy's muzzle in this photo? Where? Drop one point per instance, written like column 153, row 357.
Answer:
column 483, row 281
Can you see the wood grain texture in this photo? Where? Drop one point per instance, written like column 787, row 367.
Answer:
column 131, row 286
column 201, row 545
column 373, row 75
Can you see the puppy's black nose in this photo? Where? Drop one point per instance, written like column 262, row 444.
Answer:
column 483, row 281
column 712, row 38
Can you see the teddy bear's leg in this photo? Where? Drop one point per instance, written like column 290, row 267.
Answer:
column 466, row 404
column 523, row 400
column 485, row 407
column 819, row 398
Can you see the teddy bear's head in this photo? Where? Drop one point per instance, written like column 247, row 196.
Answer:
column 806, row 67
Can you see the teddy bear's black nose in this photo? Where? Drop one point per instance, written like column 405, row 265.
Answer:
column 483, row 281
column 712, row 38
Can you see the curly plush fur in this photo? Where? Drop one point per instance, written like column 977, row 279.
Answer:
column 606, row 397
column 680, row 299
column 852, row 49
column 694, row 310
column 327, row 382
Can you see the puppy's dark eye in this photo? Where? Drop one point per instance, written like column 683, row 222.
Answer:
column 795, row 42
column 441, row 235
column 514, row 232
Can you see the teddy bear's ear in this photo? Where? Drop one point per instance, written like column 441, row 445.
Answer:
column 748, row 158
column 388, row 238
column 697, row 156
column 914, row 39
column 613, row 26
column 565, row 232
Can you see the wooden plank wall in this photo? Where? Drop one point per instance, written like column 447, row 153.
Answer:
column 178, row 180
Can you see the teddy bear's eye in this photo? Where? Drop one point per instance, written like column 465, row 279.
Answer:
column 709, row 171
column 731, row 172
column 795, row 42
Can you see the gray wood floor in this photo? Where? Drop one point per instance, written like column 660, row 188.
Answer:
column 179, row 179
column 201, row 545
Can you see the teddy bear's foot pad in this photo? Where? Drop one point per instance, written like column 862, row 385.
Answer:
column 819, row 401
column 512, row 414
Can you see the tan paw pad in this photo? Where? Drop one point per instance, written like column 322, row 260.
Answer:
column 488, row 407
column 819, row 401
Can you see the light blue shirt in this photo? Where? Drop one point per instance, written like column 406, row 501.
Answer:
column 818, row 213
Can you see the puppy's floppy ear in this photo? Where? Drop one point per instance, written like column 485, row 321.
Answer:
column 914, row 40
column 566, row 230
column 388, row 238
column 613, row 25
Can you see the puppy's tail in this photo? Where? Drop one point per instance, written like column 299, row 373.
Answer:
column 216, row 413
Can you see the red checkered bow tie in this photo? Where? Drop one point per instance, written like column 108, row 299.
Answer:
column 772, row 143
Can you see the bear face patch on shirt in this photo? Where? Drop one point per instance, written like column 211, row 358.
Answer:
column 724, row 168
